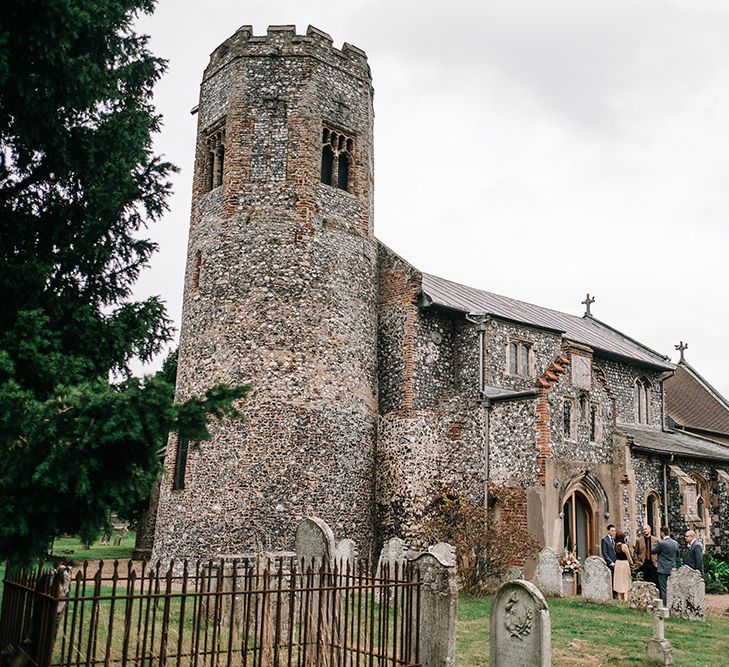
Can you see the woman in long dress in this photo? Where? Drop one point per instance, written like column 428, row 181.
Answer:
column 623, row 564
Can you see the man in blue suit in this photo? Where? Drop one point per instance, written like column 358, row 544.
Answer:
column 694, row 554
column 667, row 550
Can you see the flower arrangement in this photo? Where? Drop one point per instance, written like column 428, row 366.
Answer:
column 569, row 562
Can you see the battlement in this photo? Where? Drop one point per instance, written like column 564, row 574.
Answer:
column 282, row 40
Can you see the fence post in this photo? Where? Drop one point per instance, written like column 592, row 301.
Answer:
column 436, row 618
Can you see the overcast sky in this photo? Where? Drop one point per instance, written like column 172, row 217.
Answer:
column 534, row 149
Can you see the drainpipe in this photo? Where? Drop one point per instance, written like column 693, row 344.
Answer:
column 481, row 320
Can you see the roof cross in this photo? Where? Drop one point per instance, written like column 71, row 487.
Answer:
column 588, row 302
column 681, row 347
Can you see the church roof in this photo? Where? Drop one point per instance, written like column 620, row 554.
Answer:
column 586, row 330
column 674, row 442
column 693, row 403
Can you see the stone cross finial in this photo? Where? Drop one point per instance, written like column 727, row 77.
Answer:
column 681, row 347
column 588, row 302
column 660, row 614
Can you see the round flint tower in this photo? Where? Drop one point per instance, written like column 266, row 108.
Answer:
column 280, row 292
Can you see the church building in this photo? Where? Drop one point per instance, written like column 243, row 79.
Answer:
column 377, row 387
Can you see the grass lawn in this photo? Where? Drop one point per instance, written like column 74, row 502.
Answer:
column 584, row 634
column 73, row 549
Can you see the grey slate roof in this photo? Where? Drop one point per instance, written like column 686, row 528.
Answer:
column 585, row 330
column 674, row 442
column 693, row 403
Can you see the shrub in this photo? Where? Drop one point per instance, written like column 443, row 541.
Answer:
column 485, row 546
column 716, row 574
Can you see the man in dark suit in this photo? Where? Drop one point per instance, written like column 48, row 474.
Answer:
column 667, row 550
column 607, row 547
column 694, row 554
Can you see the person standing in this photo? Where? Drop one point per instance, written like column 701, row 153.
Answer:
column 694, row 554
column 623, row 562
column 607, row 548
column 647, row 562
column 667, row 550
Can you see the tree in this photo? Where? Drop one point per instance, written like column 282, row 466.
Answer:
column 79, row 181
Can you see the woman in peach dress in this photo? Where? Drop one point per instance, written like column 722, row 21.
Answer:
column 623, row 564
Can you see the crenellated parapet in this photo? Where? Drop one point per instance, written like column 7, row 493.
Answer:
column 282, row 41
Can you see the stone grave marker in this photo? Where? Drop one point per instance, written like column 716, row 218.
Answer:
column 521, row 632
column 393, row 551
column 345, row 552
column 642, row 594
column 548, row 577
column 686, row 590
column 512, row 573
column 659, row 650
column 597, row 581
column 444, row 552
column 315, row 539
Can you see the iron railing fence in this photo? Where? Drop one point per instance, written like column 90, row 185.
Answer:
column 250, row 613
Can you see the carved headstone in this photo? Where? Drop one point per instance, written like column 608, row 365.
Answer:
column 393, row 551
column 521, row 632
column 659, row 650
column 345, row 552
column 597, row 582
column 315, row 539
column 686, row 590
column 548, row 577
column 444, row 552
column 642, row 594
column 512, row 573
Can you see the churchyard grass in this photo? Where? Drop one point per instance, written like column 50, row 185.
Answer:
column 585, row 634
column 73, row 549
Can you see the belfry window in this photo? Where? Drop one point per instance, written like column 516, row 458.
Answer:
column 215, row 159
column 337, row 159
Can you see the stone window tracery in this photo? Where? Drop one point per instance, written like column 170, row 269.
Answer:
column 595, row 423
column 337, row 159
column 567, row 418
column 642, row 401
column 519, row 358
column 215, row 158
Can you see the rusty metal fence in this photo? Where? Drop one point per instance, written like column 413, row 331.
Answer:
column 250, row 613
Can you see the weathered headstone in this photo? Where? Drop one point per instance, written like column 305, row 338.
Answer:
column 548, row 577
column 444, row 552
column 438, row 607
column 659, row 650
column 521, row 632
column 642, row 594
column 597, row 581
column 512, row 573
column 686, row 590
column 393, row 551
column 315, row 539
column 345, row 552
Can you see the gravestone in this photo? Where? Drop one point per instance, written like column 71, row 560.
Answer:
column 512, row 573
column 686, row 590
column 315, row 539
column 659, row 650
column 393, row 551
column 345, row 552
column 444, row 552
column 521, row 632
column 438, row 607
column 548, row 577
column 597, row 581
column 642, row 594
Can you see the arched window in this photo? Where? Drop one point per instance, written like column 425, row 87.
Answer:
column 519, row 355
column 653, row 512
column 642, row 401
column 215, row 146
column 337, row 159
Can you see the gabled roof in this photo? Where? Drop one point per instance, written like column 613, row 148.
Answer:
column 693, row 403
column 678, row 443
column 586, row 330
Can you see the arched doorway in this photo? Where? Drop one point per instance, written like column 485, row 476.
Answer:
column 578, row 525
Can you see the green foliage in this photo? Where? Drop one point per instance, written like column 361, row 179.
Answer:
column 79, row 181
column 716, row 575
column 485, row 545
